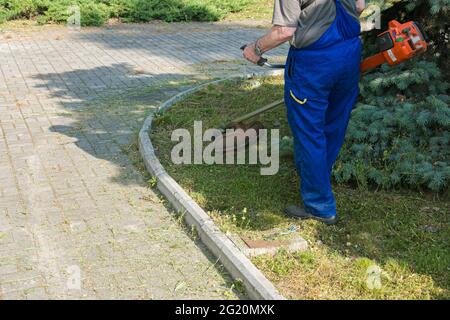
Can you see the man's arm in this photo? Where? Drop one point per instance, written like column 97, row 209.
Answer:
column 275, row 37
column 285, row 19
column 360, row 6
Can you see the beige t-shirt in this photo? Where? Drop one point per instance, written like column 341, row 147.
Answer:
column 310, row 22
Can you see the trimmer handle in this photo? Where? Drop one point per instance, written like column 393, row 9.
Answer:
column 262, row 62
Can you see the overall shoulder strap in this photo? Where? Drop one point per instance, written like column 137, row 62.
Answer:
column 306, row 3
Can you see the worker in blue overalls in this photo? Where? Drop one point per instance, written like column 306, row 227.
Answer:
column 321, row 87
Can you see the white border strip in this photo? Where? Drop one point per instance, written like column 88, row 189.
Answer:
column 238, row 265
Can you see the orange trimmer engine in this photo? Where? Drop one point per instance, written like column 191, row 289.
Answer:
column 396, row 45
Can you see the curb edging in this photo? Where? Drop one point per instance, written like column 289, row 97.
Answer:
column 258, row 287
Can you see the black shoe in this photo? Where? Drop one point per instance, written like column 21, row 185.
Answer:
column 300, row 213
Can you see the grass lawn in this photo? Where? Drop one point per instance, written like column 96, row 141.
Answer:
column 405, row 235
column 254, row 10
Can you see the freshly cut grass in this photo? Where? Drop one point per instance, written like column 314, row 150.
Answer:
column 402, row 235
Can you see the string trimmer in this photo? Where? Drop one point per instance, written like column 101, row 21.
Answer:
column 400, row 43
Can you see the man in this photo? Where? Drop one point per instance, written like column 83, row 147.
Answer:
column 321, row 87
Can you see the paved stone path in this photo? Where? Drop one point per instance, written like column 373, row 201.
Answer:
column 77, row 219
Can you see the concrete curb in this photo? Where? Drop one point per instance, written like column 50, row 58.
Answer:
column 238, row 265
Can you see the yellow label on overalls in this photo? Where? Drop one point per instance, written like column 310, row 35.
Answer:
column 297, row 99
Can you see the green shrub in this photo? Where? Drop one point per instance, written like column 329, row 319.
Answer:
column 173, row 10
column 13, row 9
column 97, row 12
column 56, row 11
column 3, row 15
column 94, row 14
column 399, row 134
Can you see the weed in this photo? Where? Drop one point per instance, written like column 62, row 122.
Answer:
column 153, row 182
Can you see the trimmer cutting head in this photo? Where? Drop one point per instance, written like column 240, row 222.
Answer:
column 240, row 136
column 237, row 130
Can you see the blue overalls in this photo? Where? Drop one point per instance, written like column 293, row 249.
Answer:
column 321, row 88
